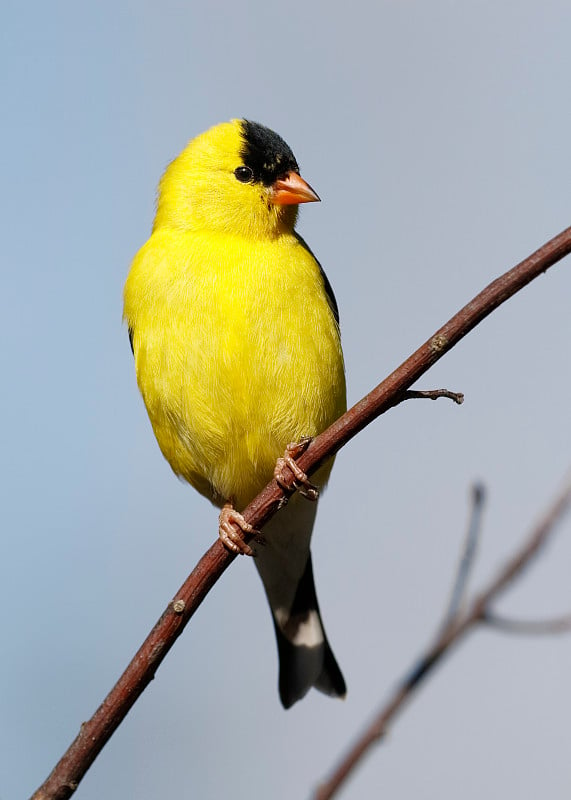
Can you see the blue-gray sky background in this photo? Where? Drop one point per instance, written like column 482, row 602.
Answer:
column 438, row 136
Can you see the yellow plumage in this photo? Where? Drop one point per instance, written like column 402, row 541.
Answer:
column 236, row 349
column 236, row 346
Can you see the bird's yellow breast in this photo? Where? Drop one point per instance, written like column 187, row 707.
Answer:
column 237, row 353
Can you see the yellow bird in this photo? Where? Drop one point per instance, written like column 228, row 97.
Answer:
column 235, row 334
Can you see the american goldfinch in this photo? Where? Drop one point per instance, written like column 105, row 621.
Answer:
column 234, row 329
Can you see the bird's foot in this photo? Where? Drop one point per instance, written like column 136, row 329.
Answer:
column 301, row 482
column 228, row 534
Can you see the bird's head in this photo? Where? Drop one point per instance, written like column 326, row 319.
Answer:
column 238, row 177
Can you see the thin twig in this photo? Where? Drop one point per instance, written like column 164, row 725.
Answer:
column 469, row 550
column 450, row 637
column 433, row 394
column 528, row 627
column 94, row 733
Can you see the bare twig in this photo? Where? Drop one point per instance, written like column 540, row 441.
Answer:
column 450, row 637
column 468, row 554
column 94, row 733
column 433, row 394
column 528, row 627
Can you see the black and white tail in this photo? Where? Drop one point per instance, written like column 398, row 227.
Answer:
column 284, row 564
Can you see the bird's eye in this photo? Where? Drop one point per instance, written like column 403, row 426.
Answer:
column 243, row 174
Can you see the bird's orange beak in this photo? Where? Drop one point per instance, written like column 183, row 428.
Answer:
column 291, row 190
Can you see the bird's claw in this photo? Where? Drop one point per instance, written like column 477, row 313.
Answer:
column 228, row 534
column 301, row 482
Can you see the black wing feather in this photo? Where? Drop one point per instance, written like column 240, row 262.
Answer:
column 328, row 288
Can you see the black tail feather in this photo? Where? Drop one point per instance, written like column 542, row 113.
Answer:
column 301, row 665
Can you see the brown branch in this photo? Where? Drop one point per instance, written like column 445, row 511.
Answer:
column 450, row 637
column 433, row 394
column 528, row 627
column 93, row 734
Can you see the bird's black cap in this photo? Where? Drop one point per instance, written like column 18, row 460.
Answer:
column 266, row 153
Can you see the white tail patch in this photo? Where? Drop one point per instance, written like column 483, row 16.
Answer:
column 302, row 630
